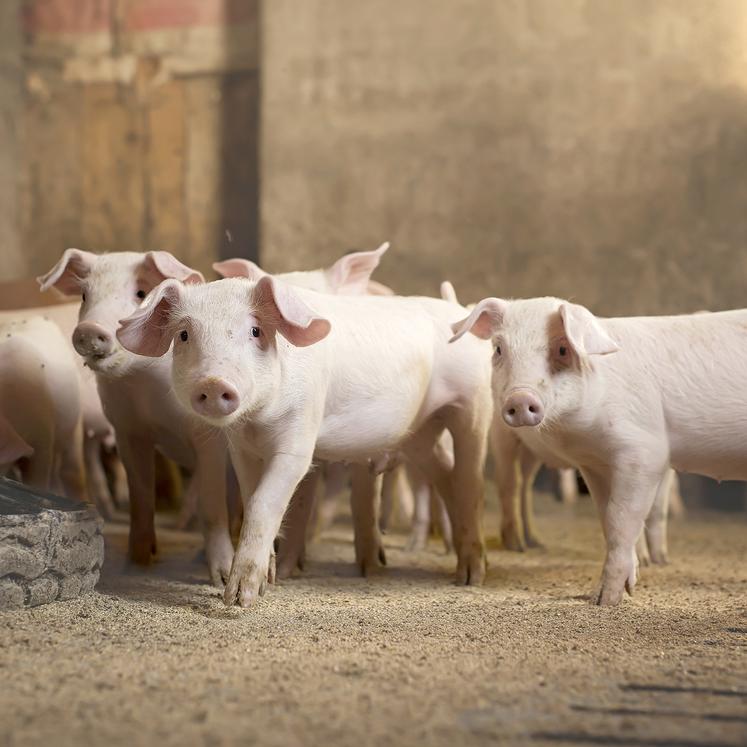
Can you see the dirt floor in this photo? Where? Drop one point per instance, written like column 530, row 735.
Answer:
column 403, row 659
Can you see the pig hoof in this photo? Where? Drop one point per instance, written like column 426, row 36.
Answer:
column 417, row 541
column 219, row 551
column 659, row 559
column 471, row 569
column 534, row 542
column 142, row 552
column 512, row 539
column 286, row 565
column 246, row 583
column 371, row 561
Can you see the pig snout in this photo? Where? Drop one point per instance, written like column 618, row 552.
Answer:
column 214, row 398
column 91, row 340
column 523, row 407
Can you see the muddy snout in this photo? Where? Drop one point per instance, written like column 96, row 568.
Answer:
column 523, row 407
column 214, row 397
column 91, row 340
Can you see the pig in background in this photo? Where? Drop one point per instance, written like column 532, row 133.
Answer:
column 622, row 399
column 332, row 377
column 40, row 407
column 98, row 434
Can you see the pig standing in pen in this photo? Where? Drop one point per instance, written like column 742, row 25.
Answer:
column 621, row 399
column 291, row 374
column 40, row 409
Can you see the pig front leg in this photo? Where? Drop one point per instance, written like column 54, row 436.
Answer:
column 529, row 467
column 98, row 486
column 632, row 492
column 264, row 508
column 507, row 450
column 365, row 497
column 209, row 481
column 568, row 484
column 138, row 457
column 292, row 544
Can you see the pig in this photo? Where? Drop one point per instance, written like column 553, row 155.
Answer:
column 137, row 398
column 98, row 433
column 40, row 416
column 292, row 375
column 622, row 399
column 349, row 275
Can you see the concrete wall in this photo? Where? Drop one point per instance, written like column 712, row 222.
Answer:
column 583, row 148
column 139, row 124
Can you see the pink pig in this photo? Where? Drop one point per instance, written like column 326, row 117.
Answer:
column 40, row 416
column 292, row 375
column 621, row 399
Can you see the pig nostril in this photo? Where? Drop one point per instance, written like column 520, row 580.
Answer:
column 102, row 338
column 226, row 396
column 512, row 411
column 203, row 397
column 532, row 408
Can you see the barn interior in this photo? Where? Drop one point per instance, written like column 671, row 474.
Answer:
column 594, row 151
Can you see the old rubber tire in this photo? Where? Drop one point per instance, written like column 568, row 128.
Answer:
column 51, row 548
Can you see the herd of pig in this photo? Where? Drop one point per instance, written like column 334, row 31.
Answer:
column 271, row 381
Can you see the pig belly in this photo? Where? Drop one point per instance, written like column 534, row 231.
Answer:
column 365, row 436
column 719, row 461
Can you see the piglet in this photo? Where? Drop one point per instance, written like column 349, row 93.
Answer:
column 621, row 399
column 291, row 375
column 40, row 415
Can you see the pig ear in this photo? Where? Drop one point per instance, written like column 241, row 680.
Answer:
column 12, row 446
column 448, row 293
column 67, row 275
column 278, row 305
column 584, row 331
column 483, row 321
column 351, row 273
column 149, row 330
column 160, row 266
column 239, row 268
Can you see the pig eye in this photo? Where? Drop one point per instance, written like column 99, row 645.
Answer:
column 83, row 297
column 256, row 331
column 140, row 294
column 183, row 335
column 498, row 350
column 562, row 351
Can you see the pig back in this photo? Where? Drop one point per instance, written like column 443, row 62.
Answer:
column 694, row 364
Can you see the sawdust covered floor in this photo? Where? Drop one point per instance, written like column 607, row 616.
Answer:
column 406, row 658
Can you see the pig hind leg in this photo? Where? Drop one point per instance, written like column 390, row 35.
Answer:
column 291, row 545
column 98, row 485
column 365, row 499
column 656, row 521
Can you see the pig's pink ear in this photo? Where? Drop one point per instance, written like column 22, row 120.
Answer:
column 351, row 273
column 277, row 304
column 584, row 331
column 483, row 321
column 68, row 274
column 150, row 329
column 160, row 266
column 239, row 268
column 12, row 446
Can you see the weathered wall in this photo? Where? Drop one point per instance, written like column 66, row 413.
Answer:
column 11, row 104
column 518, row 147
column 140, row 129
